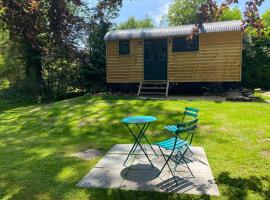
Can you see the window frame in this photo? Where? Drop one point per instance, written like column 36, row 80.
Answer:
column 174, row 50
column 119, row 50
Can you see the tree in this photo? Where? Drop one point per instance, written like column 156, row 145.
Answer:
column 132, row 22
column 210, row 11
column 40, row 27
column 266, row 18
column 183, row 12
column 256, row 61
column 10, row 65
column 49, row 28
column 164, row 21
column 93, row 65
column 231, row 14
column 266, row 21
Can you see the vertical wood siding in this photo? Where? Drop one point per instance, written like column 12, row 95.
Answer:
column 219, row 59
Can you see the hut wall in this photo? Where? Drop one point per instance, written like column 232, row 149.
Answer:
column 219, row 59
column 125, row 68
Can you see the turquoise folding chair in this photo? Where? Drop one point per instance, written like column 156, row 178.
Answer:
column 190, row 115
column 178, row 147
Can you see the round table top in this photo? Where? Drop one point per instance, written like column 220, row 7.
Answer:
column 138, row 119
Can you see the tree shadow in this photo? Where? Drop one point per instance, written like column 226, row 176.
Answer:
column 238, row 187
column 113, row 194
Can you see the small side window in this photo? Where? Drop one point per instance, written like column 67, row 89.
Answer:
column 123, row 47
column 181, row 44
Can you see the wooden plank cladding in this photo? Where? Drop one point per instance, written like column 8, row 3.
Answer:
column 125, row 68
column 219, row 59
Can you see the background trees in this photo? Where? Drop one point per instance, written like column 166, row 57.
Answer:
column 132, row 22
column 54, row 49
column 10, row 67
column 266, row 21
column 42, row 28
column 183, row 12
column 231, row 14
column 256, row 55
column 52, row 38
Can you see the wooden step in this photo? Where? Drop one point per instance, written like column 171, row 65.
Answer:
column 153, row 93
column 140, row 87
column 154, row 83
column 165, row 81
column 154, row 88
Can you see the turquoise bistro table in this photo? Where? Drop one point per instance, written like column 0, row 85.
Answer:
column 142, row 123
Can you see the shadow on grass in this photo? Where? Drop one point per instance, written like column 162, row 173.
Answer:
column 97, row 194
column 238, row 187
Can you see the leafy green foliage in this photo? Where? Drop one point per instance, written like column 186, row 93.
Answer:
column 266, row 22
column 51, row 35
column 93, row 68
column 266, row 18
column 256, row 62
column 61, row 77
column 41, row 27
column 211, row 11
column 256, row 56
column 132, row 22
column 183, row 12
column 11, row 66
column 231, row 14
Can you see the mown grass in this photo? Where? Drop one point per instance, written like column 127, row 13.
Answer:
column 36, row 142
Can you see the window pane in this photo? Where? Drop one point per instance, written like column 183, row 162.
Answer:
column 181, row 44
column 123, row 47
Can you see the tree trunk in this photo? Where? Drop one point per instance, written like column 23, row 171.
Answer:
column 34, row 72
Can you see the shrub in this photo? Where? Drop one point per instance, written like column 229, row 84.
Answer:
column 61, row 78
column 256, row 62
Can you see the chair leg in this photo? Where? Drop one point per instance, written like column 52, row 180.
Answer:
column 187, row 166
column 183, row 158
column 167, row 163
column 190, row 151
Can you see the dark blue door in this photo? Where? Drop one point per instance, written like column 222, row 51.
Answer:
column 155, row 59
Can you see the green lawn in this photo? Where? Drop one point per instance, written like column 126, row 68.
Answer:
column 36, row 142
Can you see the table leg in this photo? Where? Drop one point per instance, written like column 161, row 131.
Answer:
column 147, row 139
column 142, row 131
column 146, row 155
column 137, row 140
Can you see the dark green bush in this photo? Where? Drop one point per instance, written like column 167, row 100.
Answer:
column 256, row 62
column 61, row 77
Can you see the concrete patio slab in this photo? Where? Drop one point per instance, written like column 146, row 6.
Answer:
column 112, row 161
column 102, row 178
column 88, row 154
column 138, row 174
column 125, row 148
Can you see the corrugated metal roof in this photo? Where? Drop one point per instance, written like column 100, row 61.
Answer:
column 172, row 31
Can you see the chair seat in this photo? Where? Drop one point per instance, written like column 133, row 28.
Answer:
column 171, row 128
column 169, row 144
